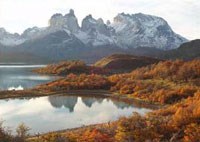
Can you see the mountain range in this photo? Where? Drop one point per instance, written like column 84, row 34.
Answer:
column 64, row 38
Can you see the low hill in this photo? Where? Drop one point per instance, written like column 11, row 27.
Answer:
column 68, row 67
column 124, row 62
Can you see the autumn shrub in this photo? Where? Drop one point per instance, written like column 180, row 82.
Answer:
column 94, row 136
column 52, row 137
column 178, row 122
column 5, row 135
column 166, row 82
column 78, row 82
column 192, row 133
column 172, row 70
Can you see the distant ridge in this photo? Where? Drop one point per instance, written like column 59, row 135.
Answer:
column 186, row 51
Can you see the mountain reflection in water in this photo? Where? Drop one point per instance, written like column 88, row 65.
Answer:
column 70, row 102
column 51, row 113
column 66, row 101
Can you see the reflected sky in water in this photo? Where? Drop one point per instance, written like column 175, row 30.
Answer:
column 20, row 76
column 61, row 112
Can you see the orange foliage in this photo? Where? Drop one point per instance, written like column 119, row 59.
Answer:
column 78, row 82
column 67, row 67
column 172, row 70
column 165, row 82
column 94, row 136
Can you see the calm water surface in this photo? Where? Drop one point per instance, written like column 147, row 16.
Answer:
column 61, row 112
column 52, row 113
column 18, row 76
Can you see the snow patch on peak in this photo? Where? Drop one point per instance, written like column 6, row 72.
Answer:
column 9, row 39
column 88, row 23
column 32, row 33
column 95, row 32
column 139, row 30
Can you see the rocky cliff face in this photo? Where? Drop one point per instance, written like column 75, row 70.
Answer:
column 95, row 32
column 67, row 22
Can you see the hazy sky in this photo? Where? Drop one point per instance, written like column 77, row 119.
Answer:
column 182, row 15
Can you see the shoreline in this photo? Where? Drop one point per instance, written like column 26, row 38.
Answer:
column 33, row 93
column 40, row 93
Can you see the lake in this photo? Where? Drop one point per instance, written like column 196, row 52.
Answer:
column 19, row 76
column 52, row 113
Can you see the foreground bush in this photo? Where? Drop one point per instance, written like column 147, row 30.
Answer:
column 6, row 136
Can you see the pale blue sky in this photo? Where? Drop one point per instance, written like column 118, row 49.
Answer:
column 182, row 15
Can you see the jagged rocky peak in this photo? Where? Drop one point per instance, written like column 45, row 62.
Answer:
column 56, row 20
column 108, row 22
column 31, row 32
column 72, row 22
column 103, row 28
column 9, row 39
column 71, row 13
column 137, row 20
column 66, row 22
column 95, row 32
column 2, row 30
column 89, row 24
column 100, row 21
column 139, row 29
